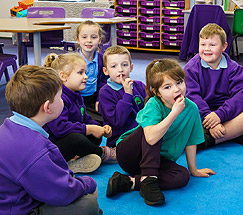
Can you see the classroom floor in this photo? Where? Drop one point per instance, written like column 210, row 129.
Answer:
column 220, row 194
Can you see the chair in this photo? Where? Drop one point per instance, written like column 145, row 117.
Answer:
column 201, row 15
column 5, row 61
column 100, row 13
column 49, row 38
column 237, row 28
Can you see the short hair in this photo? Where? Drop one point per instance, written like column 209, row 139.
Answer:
column 116, row 50
column 30, row 87
column 212, row 29
column 157, row 70
column 101, row 32
column 64, row 62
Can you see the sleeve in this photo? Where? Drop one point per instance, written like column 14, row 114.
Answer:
column 233, row 106
column 115, row 111
column 88, row 119
column 49, row 180
column 193, row 91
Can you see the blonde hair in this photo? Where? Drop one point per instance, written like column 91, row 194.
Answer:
column 212, row 29
column 157, row 70
column 64, row 62
column 116, row 50
column 90, row 23
column 30, row 87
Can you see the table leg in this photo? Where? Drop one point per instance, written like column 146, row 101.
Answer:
column 20, row 48
column 113, row 34
column 37, row 48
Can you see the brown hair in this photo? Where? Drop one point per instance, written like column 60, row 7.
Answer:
column 116, row 50
column 157, row 70
column 212, row 29
column 30, row 87
column 64, row 62
column 101, row 32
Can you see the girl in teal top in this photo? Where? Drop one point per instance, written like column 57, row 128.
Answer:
column 168, row 125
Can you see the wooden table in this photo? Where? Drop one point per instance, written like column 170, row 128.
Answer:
column 24, row 25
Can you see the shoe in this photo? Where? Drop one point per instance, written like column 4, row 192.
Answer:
column 109, row 155
column 118, row 183
column 86, row 164
column 239, row 140
column 209, row 141
column 150, row 191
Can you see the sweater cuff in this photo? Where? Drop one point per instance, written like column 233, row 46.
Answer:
column 220, row 115
column 127, row 97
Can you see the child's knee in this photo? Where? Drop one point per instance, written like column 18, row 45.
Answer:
column 89, row 205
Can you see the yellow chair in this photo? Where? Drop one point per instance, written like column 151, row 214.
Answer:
column 237, row 28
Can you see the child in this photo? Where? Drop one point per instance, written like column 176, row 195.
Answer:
column 168, row 124
column 121, row 98
column 89, row 37
column 215, row 84
column 34, row 176
column 74, row 131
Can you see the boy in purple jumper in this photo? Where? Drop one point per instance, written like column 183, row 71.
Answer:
column 215, row 84
column 34, row 176
column 121, row 98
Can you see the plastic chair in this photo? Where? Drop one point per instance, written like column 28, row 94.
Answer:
column 237, row 30
column 200, row 16
column 92, row 12
column 49, row 38
column 5, row 61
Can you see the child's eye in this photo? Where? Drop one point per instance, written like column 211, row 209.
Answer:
column 113, row 66
column 125, row 64
column 94, row 37
column 179, row 82
column 167, row 87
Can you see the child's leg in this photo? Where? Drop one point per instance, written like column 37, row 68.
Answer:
column 86, row 205
column 234, row 129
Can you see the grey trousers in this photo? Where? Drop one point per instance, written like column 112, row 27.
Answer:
column 86, row 205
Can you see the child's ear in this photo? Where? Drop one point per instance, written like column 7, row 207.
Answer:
column 46, row 107
column 105, row 71
column 225, row 46
column 131, row 68
column 62, row 76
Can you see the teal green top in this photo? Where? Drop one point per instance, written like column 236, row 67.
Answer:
column 186, row 129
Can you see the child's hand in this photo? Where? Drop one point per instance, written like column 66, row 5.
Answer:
column 203, row 172
column 218, row 131
column 95, row 130
column 96, row 106
column 211, row 120
column 179, row 105
column 108, row 131
column 127, row 85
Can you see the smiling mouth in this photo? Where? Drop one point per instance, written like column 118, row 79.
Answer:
column 177, row 97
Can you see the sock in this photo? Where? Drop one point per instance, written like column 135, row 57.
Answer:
column 144, row 177
column 133, row 182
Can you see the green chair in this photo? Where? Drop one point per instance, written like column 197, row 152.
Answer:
column 237, row 28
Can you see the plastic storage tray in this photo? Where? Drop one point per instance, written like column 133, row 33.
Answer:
column 150, row 3
column 176, row 11
column 173, row 19
column 173, row 28
column 149, row 18
column 149, row 35
column 132, row 10
column 172, row 36
column 168, row 3
column 124, row 33
column 131, row 42
column 144, row 43
column 153, row 11
column 127, row 2
column 148, row 27
column 127, row 25
column 125, row 15
column 172, row 43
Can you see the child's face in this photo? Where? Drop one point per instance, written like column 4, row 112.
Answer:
column 57, row 105
column 118, row 67
column 170, row 90
column 210, row 50
column 76, row 81
column 88, row 38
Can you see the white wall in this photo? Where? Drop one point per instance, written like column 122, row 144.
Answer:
column 5, row 12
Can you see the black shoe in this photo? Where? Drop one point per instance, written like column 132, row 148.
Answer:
column 209, row 141
column 118, row 183
column 151, row 193
column 239, row 140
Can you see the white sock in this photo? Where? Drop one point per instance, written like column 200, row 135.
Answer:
column 144, row 177
column 133, row 182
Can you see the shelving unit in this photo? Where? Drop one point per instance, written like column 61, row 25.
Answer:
column 159, row 25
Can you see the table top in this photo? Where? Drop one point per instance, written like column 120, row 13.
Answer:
column 226, row 12
column 24, row 25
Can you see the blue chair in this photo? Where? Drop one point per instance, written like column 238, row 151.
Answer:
column 200, row 16
column 92, row 12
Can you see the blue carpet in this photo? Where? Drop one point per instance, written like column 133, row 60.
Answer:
column 219, row 194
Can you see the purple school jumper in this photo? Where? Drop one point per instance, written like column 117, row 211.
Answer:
column 119, row 109
column 73, row 118
column 219, row 90
column 32, row 170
